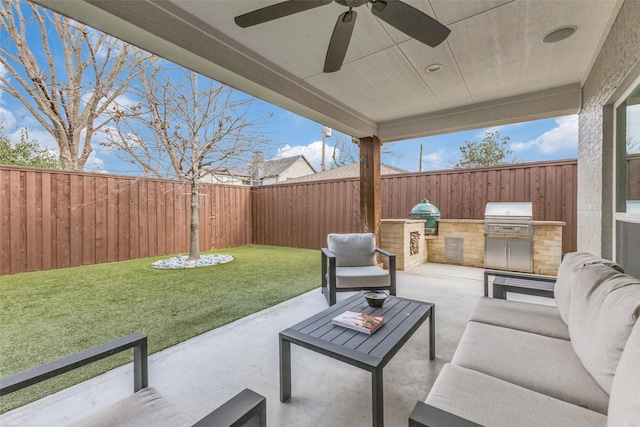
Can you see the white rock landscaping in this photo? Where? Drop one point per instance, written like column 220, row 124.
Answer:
column 183, row 262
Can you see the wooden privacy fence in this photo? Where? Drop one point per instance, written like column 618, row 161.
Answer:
column 53, row 219
column 301, row 215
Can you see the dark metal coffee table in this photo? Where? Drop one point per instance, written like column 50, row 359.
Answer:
column 402, row 317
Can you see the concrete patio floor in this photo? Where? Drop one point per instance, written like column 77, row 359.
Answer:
column 203, row 372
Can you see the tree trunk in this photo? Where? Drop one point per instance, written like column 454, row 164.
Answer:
column 194, row 237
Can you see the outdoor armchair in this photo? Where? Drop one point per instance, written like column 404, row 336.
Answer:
column 146, row 406
column 349, row 263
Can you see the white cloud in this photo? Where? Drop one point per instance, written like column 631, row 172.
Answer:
column 7, row 119
column 481, row 133
column 14, row 130
column 312, row 152
column 42, row 137
column 501, row 129
column 132, row 139
column 121, row 102
column 563, row 137
column 435, row 160
column 95, row 164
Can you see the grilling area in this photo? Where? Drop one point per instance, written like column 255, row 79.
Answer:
column 509, row 238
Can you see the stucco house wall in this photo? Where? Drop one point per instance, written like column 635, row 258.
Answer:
column 299, row 168
column 616, row 67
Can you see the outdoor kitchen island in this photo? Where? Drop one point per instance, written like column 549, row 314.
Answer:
column 462, row 242
column 470, row 235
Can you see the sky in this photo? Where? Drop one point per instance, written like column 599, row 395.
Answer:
column 290, row 134
column 548, row 139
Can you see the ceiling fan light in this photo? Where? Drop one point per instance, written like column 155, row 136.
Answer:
column 559, row 34
column 433, row 68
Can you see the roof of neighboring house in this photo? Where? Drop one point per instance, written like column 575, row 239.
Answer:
column 267, row 168
column 348, row 171
column 277, row 166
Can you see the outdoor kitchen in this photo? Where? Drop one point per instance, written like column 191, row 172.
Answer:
column 507, row 239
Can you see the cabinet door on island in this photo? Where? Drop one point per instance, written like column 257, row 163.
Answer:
column 509, row 254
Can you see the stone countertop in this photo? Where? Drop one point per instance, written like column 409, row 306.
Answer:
column 471, row 221
column 481, row 221
column 561, row 223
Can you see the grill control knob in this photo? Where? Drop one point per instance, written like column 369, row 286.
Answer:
column 517, row 229
column 497, row 228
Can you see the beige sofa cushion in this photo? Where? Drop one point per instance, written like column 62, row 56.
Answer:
column 145, row 408
column 542, row 364
column 562, row 289
column 352, row 250
column 624, row 406
column 605, row 305
column 492, row 402
column 534, row 318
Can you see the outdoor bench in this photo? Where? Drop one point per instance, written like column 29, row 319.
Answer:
column 524, row 364
column 146, row 406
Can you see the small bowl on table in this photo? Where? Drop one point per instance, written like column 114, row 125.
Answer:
column 375, row 298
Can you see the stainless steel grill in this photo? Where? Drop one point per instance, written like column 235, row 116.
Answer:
column 509, row 236
column 508, row 218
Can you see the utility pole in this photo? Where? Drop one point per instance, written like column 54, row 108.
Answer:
column 326, row 133
column 420, row 168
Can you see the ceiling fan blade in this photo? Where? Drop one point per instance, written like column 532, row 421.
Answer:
column 340, row 41
column 278, row 10
column 410, row 21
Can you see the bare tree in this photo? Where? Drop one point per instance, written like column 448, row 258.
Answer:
column 345, row 151
column 185, row 129
column 633, row 145
column 66, row 74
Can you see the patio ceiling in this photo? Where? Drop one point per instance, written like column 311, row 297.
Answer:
column 495, row 67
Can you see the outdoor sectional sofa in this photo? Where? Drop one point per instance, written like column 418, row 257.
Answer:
column 523, row 364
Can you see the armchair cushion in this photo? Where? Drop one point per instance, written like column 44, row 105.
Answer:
column 353, row 250
column 361, row 277
column 144, row 408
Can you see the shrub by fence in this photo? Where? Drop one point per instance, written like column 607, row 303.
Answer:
column 54, row 219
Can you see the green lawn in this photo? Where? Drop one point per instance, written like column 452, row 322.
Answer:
column 50, row 314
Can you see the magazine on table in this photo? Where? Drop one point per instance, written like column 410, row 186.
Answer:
column 360, row 322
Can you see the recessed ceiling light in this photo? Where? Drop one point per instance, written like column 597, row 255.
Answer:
column 559, row 34
column 433, row 68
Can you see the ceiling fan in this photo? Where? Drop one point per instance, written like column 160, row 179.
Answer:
column 398, row 14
